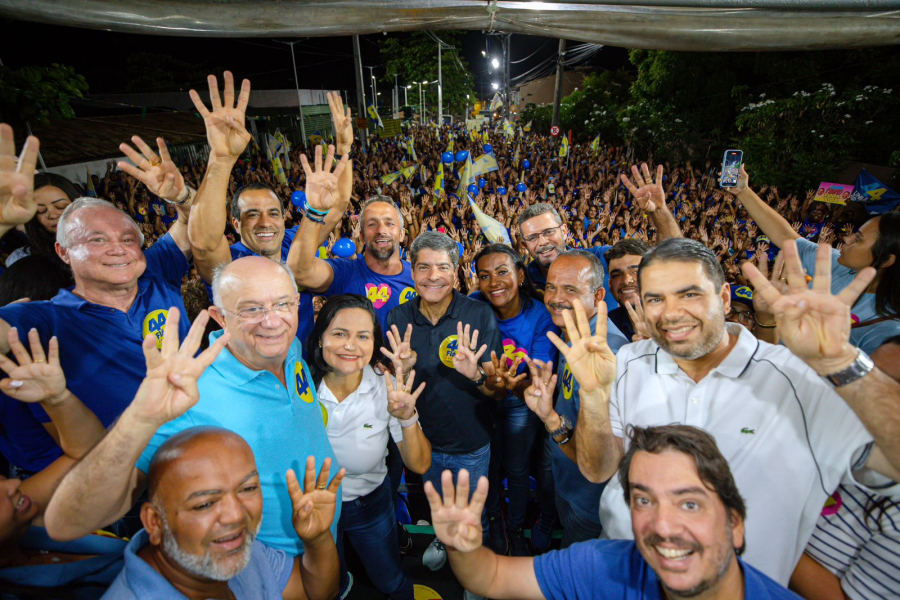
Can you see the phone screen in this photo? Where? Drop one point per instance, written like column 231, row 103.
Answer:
column 731, row 167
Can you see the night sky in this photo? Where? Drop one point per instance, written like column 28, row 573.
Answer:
column 322, row 62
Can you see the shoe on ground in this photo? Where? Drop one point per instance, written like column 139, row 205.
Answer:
column 496, row 540
column 405, row 540
column 349, row 586
column 517, row 544
column 542, row 533
column 435, row 556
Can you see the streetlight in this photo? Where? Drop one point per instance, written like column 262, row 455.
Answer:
column 495, row 85
column 495, row 63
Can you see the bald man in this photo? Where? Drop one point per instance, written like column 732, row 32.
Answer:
column 259, row 386
column 200, row 527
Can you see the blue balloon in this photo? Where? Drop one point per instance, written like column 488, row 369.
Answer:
column 462, row 155
column 447, row 158
column 526, row 163
column 482, row 182
column 488, row 148
column 344, row 248
column 461, row 248
column 502, row 190
column 473, row 189
column 298, row 198
column 521, row 187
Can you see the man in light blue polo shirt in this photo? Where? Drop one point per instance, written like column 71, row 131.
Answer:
column 259, row 387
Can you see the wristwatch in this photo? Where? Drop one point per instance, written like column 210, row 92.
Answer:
column 482, row 377
column 565, row 428
column 859, row 368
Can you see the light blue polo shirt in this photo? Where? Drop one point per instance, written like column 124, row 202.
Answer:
column 282, row 427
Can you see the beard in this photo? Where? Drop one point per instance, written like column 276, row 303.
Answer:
column 707, row 584
column 206, row 566
column 540, row 259
column 382, row 253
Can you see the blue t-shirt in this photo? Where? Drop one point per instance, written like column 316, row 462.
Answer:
column 23, row 440
column 582, row 495
column 306, row 318
column 867, row 338
column 385, row 291
column 539, row 279
column 604, row 569
column 100, row 347
column 283, row 426
column 264, row 577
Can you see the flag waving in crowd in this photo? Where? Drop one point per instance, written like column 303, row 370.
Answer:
column 374, row 117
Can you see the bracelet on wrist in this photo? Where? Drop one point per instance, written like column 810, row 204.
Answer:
column 315, row 211
column 766, row 325
column 407, row 423
column 313, row 218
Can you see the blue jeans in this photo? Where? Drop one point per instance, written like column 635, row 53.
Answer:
column 513, row 443
column 371, row 526
column 476, row 463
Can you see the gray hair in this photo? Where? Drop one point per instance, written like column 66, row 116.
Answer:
column 65, row 225
column 536, row 210
column 385, row 200
column 685, row 250
column 597, row 273
column 219, row 275
column 434, row 240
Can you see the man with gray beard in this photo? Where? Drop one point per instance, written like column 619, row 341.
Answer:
column 200, row 527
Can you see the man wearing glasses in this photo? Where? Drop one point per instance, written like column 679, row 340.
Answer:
column 258, row 387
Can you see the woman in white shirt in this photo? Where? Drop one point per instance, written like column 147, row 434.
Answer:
column 362, row 409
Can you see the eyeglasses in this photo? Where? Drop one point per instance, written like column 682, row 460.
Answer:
column 747, row 319
column 546, row 234
column 257, row 314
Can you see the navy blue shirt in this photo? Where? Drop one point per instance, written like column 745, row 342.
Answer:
column 23, row 440
column 100, row 347
column 539, row 279
column 615, row 569
column 385, row 291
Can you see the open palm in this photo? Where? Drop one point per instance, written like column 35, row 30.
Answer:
column 648, row 194
column 225, row 130
column 17, row 205
column 456, row 519
column 539, row 395
column 321, row 182
column 401, row 399
column 314, row 503
column 36, row 377
column 158, row 173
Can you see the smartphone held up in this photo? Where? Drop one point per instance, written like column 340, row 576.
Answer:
column 731, row 167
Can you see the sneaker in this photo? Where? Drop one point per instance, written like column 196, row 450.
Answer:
column 496, row 539
column 470, row 596
column 542, row 533
column 435, row 556
column 346, row 592
column 405, row 540
column 517, row 544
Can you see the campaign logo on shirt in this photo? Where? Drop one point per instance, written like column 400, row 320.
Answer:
column 513, row 351
column 324, row 414
column 407, row 294
column 448, row 350
column 833, row 504
column 378, row 294
column 301, row 381
column 853, row 319
column 744, row 292
column 567, row 382
column 423, row 592
column 155, row 323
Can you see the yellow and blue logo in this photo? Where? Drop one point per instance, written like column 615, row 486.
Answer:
column 155, row 323
column 407, row 294
column 324, row 414
column 423, row 592
column 744, row 292
column 448, row 350
column 302, row 383
column 568, row 382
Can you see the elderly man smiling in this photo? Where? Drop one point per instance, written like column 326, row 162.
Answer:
column 259, row 387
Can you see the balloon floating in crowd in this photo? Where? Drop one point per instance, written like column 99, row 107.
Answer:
column 462, row 155
column 298, row 199
column 447, row 158
column 526, row 163
column 461, row 248
column 502, row 190
column 488, row 148
column 344, row 248
column 473, row 189
column 521, row 187
column 482, row 182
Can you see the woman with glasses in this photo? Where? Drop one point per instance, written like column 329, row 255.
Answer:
column 524, row 323
column 362, row 410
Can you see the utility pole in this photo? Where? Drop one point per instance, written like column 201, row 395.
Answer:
column 506, row 53
column 440, row 89
column 557, row 92
column 299, row 99
column 360, row 90
column 374, row 89
column 405, row 96
column 396, row 95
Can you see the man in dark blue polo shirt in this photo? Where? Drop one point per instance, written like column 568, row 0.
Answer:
column 456, row 410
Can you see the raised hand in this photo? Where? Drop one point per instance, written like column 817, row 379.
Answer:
column 742, row 184
column 157, row 172
column 504, row 375
column 225, row 130
column 343, row 123
column 401, row 398
column 590, row 359
column 401, row 352
column 456, row 519
column 539, row 395
column 647, row 194
column 170, row 387
column 465, row 361
column 760, row 306
column 36, row 377
column 321, row 183
column 636, row 315
column 813, row 323
column 314, row 503
column 17, row 205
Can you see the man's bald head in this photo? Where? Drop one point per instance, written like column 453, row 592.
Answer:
column 247, row 271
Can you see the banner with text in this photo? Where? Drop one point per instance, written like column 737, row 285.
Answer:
column 833, row 193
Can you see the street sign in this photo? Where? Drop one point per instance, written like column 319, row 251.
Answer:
column 554, row 131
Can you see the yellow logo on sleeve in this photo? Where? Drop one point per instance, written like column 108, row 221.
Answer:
column 324, row 414
column 407, row 294
column 301, row 381
column 448, row 350
column 567, row 382
column 155, row 323
column 423, row 592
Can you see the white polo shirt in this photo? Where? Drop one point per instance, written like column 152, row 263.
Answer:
column 787, row 436
column 358, row 429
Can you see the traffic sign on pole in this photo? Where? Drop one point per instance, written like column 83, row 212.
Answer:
column 554, row 131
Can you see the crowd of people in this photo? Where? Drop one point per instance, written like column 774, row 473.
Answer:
column 703, row 391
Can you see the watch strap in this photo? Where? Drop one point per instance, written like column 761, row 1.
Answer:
column 858, row 369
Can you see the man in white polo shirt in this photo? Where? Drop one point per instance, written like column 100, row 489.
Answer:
column 787, row 435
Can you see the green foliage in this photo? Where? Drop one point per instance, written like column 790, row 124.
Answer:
column 415, row 58
column 157, row 72
column 37, row 94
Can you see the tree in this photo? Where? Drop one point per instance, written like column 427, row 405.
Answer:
column 37, row 94
column 415, row 58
